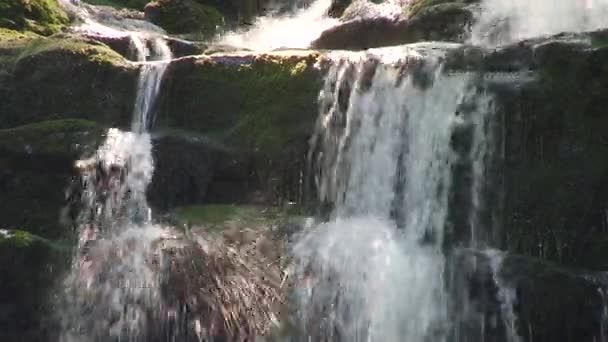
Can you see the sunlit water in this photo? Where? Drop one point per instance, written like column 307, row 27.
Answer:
column 503, row 21
column 112, row 292
column 296, row 30
column 375, row 271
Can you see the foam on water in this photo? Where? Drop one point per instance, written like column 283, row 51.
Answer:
column 375, row 271
column 295, row 30
column 503, row 22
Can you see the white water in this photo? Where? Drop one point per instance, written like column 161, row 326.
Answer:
column 503, row 21
column 296, row 30
column 376, row 269
column 96, row 21
column 150, row 78
column 113, row 289
column 393, row 9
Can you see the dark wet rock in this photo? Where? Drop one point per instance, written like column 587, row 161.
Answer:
column 446, row 22
column 550, row 303
column 263, row 107
column 338, row 7
column 183, row 170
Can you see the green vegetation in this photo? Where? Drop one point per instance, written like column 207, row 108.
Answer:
column 262, row 105
column 40, row 16
column 94, row 51
column 24, row 239
column 11, row 43
column 419, row 6
column 219, row 214
column 50, row 137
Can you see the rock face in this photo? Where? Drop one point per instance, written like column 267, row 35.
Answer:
column 261, row 107
column 445, row 22
column 550, row 303
column 552, row 133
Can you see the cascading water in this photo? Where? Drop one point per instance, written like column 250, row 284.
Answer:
column 375, row 271
column 113, row 289
column 297, row 30
column 503, row 22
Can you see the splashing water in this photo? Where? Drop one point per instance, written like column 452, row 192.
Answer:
column 296, row 30
column 375, row 272
column 113, row 289
column 96, row 21
column 503, row 22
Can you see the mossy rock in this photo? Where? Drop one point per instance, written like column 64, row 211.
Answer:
column 261, row 103
column 41, row 16
column 91, row 50
column 218, row 215
column 15, row 238
column 36, row 166
column 100, row 81
column 31, row 267
column 68, row 137
column 184, row 16
column 417, row 7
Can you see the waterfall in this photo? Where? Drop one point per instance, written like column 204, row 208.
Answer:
column 295, row 30
column 149, row 83
column 374, row 272
column 503, row 22
column 113, row 291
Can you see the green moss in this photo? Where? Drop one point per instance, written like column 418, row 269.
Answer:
column 11, row 44
column 40, row 16
column 67, row 136
column 24, row 239
column 95, row 52
column 419, row 6
column 219, row 214
column 263, row 105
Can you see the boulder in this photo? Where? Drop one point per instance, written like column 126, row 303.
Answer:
column 262, row 108
column 41, row 16
column 98, row 79
column 444, row 22
column 183, row 16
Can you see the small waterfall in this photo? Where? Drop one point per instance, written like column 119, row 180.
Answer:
column 113, row 289
column 295, row 30
column 150, row 79
column 375, row 271
column 96, row 21
column 503, row 22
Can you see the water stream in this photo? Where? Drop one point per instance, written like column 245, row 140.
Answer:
column 113, row 291
column 374, row 272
